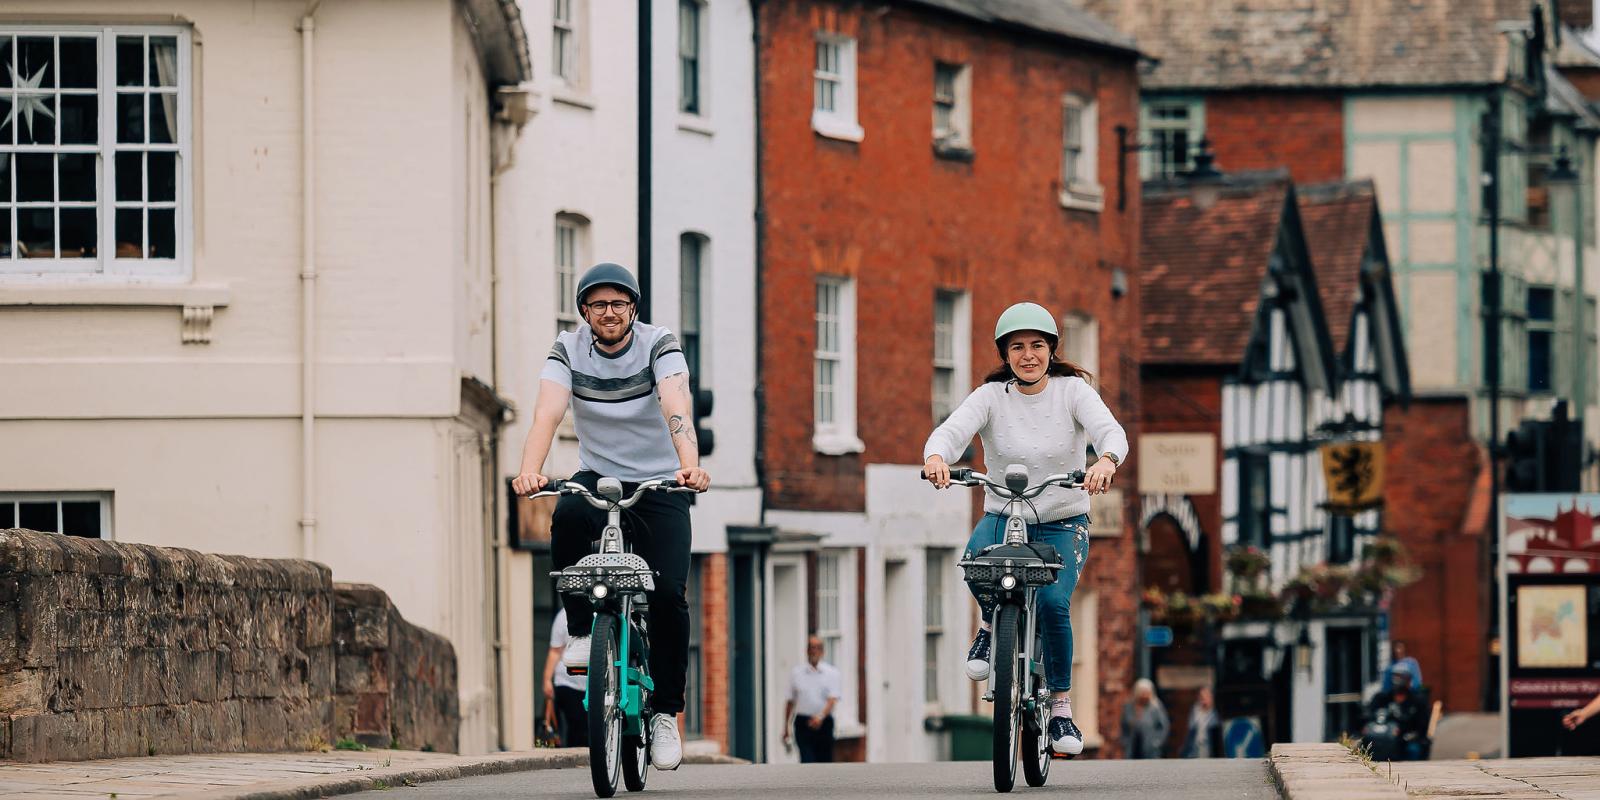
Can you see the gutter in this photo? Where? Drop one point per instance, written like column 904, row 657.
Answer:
column 308, row 284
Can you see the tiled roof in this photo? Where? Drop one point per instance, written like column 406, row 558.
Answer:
column 1337, row 219
column 1200, row 280
column 1227, row 44
column 1056, row 17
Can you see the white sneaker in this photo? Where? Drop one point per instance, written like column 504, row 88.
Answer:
column 576, row 655
column 666, row 749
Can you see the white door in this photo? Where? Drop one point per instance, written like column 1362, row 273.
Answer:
column 786, row 646
column 901, row 682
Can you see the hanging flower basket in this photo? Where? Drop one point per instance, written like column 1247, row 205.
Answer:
column 1247, row 563
column 1260, row 605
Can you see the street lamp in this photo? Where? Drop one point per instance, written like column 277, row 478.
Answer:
column 1205, row 178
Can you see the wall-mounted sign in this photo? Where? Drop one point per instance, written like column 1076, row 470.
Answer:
column 1354, row 475
column 1105, row 514
column 1178, row 463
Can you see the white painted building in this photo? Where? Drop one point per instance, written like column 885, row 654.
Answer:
column 248, row 276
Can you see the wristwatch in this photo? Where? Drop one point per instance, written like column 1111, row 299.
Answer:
column 1115, row 462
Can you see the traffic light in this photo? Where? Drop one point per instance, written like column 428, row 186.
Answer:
column 1526, row 459
column 703, row 402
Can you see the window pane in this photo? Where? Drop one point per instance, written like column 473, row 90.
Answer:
column 130, row 233
column 163, row 177
column 5, row 232
column 130, row 177
column 35, row 177
column 81, row 518
column 130, row 60
column 78, row 232
column 163, row 118
column 80, row 119
column 36, row 61
column 1541, row 303
column 36, row 232
column 130, row 118
column 163, row 61
column 78, row 180
column 36, row 118
column 824, row 408
column 39, row 517
column 8, row 46
column 1539, row 361
column 8, row 515
column 80, row 63
column 163, row 233
column 8, row 133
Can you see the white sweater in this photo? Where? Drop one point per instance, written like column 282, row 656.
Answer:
column 1047, row 433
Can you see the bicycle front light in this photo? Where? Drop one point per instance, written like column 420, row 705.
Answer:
column 1008, row 582
column 600, row 591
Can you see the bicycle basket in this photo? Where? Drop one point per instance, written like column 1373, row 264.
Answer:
column 988, row 572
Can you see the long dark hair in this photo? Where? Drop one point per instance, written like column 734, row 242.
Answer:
column 1059, row 367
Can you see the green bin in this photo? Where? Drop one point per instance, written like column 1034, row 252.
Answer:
column 971, row 737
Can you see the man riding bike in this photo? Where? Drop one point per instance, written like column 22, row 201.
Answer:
column 1037, row 410
column 628, row 386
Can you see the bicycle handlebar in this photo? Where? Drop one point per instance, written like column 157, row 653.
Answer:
column 557, row 487
column 972, row 477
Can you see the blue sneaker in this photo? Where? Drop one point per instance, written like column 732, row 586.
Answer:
column 1065, row 738
column 978, row 657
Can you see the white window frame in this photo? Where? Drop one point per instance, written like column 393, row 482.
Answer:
column 107, row 266
column 1152, row 161
column 955, row 137
column 838, row 435
column 1080, row 341
column 103, row 498
column 936, row 631
column 568, row 260
column 840, row 122
column 955, row 358
column 1080, row 188
column 702, row 21
column 840, row 641
column 698, row 372
column 564, row 41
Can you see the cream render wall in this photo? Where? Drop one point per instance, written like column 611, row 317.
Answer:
column 199, row 444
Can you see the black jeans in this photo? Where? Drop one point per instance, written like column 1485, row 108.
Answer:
column 572, row 720
column 658, row 529
column 816, row 746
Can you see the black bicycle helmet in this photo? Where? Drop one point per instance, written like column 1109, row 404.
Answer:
column 608, row 274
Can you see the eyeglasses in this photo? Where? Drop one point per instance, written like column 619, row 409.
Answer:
column 616, row 306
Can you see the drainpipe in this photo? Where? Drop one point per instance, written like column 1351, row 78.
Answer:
column 761, row 234
column 308, row 285
column 645, row 121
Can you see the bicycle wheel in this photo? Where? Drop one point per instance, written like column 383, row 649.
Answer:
column 636, row 749
column 1007, row 698
column 605, row 695
column 1036, row 734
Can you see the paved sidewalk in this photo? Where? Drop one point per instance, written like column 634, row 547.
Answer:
column 1332, row 772
column 273, row 776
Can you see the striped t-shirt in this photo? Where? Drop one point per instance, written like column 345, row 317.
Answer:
column 621, row 432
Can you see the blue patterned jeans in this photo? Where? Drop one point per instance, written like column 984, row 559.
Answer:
column 1070, row 538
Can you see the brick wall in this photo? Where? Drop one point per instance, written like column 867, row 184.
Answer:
column 1184, row 402
column 715, row 700
column 1436, row 503
column 395, row 682
column 110, row 649
column 903, row 222
column 1303, row 131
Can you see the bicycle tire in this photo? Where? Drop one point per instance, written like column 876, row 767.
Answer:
column 1006, row 696
column 605, row 726
column 636, row 749
column 1036, row 744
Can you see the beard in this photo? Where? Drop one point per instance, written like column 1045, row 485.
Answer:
column 610, row 338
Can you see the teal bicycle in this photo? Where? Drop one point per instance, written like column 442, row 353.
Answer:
column 616, row 582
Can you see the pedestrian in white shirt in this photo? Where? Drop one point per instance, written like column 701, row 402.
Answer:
column 563, row 689
column 814, row 689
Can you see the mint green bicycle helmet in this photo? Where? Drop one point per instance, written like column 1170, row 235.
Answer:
column 1025, row 317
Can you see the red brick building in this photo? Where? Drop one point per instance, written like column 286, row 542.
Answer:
column 923, row 166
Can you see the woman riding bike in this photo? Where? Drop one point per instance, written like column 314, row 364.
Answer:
column 1038, row 411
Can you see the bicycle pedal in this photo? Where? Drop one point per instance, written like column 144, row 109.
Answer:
column 1062, row 756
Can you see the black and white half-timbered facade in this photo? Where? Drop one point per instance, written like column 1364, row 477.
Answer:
column 1281, row 296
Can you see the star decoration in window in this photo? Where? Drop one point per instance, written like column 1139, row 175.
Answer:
column 30, row 98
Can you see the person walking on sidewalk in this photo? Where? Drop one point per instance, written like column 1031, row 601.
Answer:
column 1037, row 410
column 628, row 387
column 1144, row 723
column 814, row 689
column 564, row 690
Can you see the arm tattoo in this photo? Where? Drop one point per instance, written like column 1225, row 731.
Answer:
column 679, row 426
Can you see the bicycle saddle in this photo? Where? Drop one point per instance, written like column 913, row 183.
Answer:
column 1031, row 550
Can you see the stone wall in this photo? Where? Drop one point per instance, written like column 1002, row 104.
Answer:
column 110, row 649
column 396, row 682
